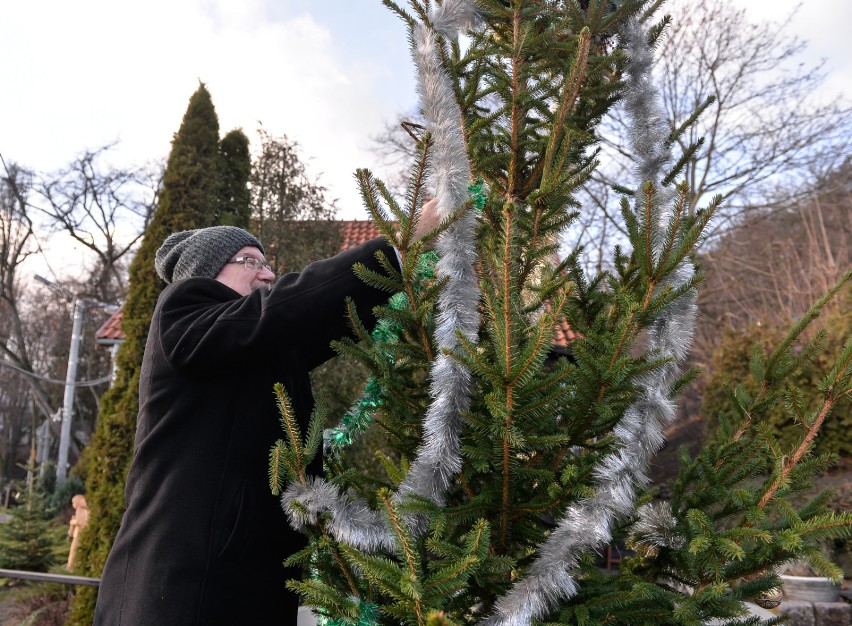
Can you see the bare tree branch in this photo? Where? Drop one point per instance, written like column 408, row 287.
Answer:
column 103, row 208
column 767, row 127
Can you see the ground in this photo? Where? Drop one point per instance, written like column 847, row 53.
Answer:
column 33, row 604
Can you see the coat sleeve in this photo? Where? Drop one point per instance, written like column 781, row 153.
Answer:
column 205, row 326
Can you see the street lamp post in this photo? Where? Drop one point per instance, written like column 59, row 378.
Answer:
column 79, row 308
column 70, row 388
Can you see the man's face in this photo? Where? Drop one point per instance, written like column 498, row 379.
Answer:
column 243, row 280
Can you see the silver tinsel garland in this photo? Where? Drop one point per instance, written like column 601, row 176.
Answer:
column 655, row 528
column 587, row 524
column 439, row 457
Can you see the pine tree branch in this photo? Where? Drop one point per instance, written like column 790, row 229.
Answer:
column 405, row 238
column 673, row 230
column 403, row 542
column 571, row 91
column 803, row 448
column 516, row 150
column 415, row 192
column 343, row 568
column 508, row 212
column 544, row 333
column 625, row 339
column 292, row 429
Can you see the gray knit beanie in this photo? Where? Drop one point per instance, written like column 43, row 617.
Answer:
column 201, row 252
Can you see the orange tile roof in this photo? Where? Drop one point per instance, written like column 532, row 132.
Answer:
column 354, row 233
column 563, row 335
column 110, row 331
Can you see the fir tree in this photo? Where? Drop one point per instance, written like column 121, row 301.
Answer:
column 191, row 197
column 25, row 540
column 732, row 518
column 511, row 470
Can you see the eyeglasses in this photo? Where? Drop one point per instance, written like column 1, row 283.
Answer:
column 251, row 263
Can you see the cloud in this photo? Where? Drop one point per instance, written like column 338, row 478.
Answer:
column 823, row 26
column 95, row 71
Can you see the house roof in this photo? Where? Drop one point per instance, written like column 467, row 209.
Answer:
column 354, row 233
column 563, row 335
column 110, row 331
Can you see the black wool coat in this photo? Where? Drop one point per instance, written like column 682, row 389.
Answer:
column 203, row 539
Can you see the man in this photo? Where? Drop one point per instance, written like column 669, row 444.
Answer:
column 203, row 539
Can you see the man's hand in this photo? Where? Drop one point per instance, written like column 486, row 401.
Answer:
column 428, row 218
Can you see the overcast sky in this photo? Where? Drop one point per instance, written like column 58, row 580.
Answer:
column 327, row 73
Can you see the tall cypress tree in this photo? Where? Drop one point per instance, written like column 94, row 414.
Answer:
column 234, row 197
column 191, row 197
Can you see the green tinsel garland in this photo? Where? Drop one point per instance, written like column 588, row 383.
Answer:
column 386, row 333
column 368, row 615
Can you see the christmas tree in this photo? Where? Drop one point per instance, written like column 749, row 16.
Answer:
column 510, row 467
column 25, row 539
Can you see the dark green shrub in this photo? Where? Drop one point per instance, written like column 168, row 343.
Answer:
column 730, row 367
